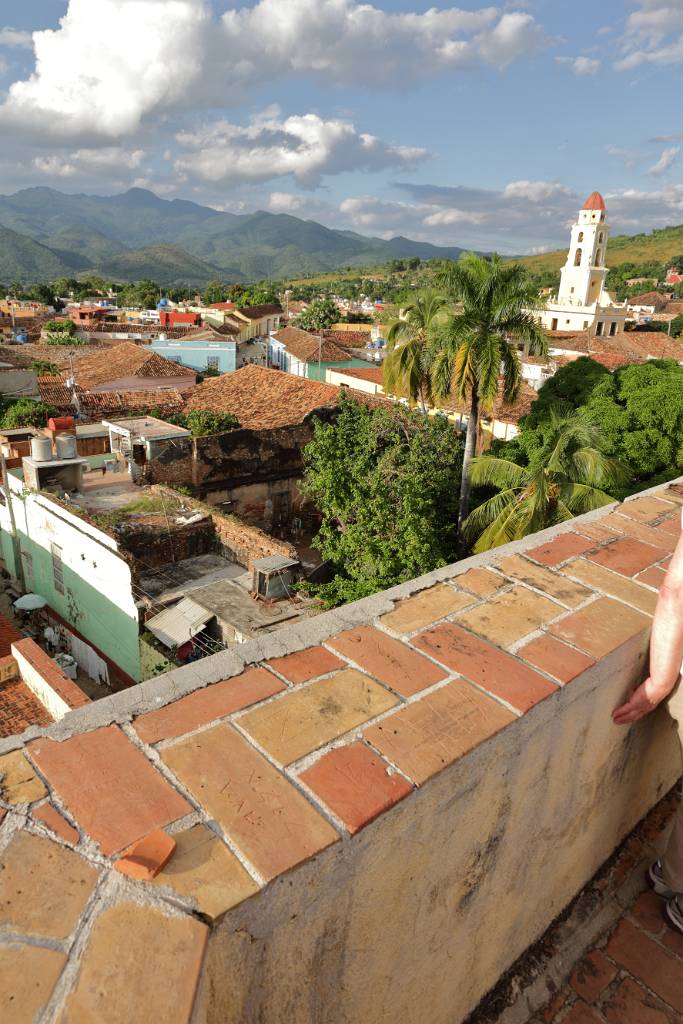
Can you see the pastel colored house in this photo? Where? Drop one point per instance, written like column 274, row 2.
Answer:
column 309, row 355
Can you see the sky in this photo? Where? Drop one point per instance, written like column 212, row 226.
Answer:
column 476, row 125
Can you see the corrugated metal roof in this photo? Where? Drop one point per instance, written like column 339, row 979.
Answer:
column 175, row 626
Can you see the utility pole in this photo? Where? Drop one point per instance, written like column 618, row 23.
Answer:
column 320, row 354
column 74, row 393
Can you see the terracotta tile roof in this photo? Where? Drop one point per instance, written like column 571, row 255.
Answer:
column 125, row 360
column 611, row 360
column 262, row 398
column 54, row 391
column 502, row 412
column 308, row 348
column 256, row 312
column 648, row 299
column 357, row 339
column 19, row 708
column 373, row 374
column 22, row 356
column 9, row 634
column 594, row 202
column 96, row 403
column 675, row 307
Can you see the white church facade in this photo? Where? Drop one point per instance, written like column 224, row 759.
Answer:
column 582, row 302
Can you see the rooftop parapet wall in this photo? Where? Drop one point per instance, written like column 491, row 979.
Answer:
column 375, row 812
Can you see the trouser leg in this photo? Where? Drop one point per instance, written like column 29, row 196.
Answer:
column 672, row 861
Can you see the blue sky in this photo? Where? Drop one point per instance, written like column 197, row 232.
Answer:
column 482, row 125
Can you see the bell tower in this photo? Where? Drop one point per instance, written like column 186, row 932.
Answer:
column 583, row 275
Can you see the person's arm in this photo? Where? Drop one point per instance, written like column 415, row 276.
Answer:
column 666, row 647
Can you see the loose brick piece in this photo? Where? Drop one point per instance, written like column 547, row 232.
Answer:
column 560, row 661
column 207, row 704
column 567, row 545
column 356, row 784
column 205, row 871
column 494, row 670
column 57, row 823
column 600, row 627
column 306, row 719
column 44, row 887
column 262, row 812
column 632, row 1004
column 109, row 786
column 19, row 784
column 392, row 662
column 305, row 665
column 592, row 976
column 628, row 556
column 155, row 970
column 511, row 615
column 433, row 732
column 480, row 582
column 28, row 975
column 425, row 608
column 613, row 584
column 555, row 585
column 649, row 962
column 145, row 859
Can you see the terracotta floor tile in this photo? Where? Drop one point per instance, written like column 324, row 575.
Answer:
column 612, row 584
column 356, row 784
column 649, row 962
column 581, row 1013
column 109, row 786
column 673, row 940
column 480, row 582
column 644, row 510
column 653, row 577
column 392, row 662
column 28, row 975
column 426, row 736
column 305, row 665
column 641, row 532
column 672, row 492
column 630, row 1003
column 493, row 670
column 509, row 616
column 671, row 524
column 592, row 976
column 425, row 608
column 596, row 531
column 557, row 659
column 262, row 812
column 205, row 871
column 627, row 556
column 305, row 719
column 551, row 1010
column 647, row 912
column 19, row 784
column 44, row 887
column 567, row 545
column 601, row 627
column 57, row 823
column 554, row 584
column 138, row 965
column 207, row 704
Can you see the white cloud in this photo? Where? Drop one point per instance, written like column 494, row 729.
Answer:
column 15, row 38
column 630, row 157
column 667, row 159
column 536, row 191
column 285, row 202
column 652, row 35
column 112, row 63
column 444, row 217
column 581, row 65
column 86, row 162
column 305, row 146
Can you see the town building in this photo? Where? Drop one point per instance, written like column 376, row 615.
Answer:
column 582, row 302
column 647, row 304
column 306, row 354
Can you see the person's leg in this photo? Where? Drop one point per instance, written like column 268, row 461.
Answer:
column 672, row 859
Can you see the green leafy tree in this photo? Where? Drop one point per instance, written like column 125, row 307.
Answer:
column 44, row 368
column 677, row 264
column 65, row 327
column 385, row 481
column 25, row 413
column 320, row 315
column 215, row 291
column 140, row 295
column 408, row 362
column 482, row 337
column 202, row 422
column 567, row 475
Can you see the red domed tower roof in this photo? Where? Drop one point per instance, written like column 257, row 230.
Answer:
column 594, row 202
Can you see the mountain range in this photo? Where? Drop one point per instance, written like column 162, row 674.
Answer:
column 46, row 234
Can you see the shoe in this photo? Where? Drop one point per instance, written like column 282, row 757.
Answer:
column 657, row 881
column 674, row 913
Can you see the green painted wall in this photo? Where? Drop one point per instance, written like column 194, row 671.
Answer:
column 350, row 364
column 95, row 617
column 7, row 549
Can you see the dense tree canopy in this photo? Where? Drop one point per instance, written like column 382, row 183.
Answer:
column 386, row 482
column 321, row 314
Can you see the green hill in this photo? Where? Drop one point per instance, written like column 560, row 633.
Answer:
column 166, row 264
column 659, row 246
column 23, row 259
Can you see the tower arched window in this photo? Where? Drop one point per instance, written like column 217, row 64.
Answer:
column 601, row 238
column 578, row 257
column 598, row 258
column 580, row 238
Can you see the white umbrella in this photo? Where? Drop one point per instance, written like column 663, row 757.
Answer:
column 30, row 602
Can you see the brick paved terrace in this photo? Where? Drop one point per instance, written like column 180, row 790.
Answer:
column 366, row 817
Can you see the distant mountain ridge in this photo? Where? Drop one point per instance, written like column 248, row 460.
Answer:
column 45, row 234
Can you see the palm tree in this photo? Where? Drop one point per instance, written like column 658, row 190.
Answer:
column 406, row 367
column 479, row 343
column 565, row 477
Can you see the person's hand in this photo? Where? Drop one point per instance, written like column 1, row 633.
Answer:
column 642, row 701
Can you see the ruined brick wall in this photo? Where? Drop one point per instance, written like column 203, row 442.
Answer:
column 173, row 464
column 155, row 542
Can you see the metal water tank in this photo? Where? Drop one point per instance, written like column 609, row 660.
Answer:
column 41, row 449
column 66, row 446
